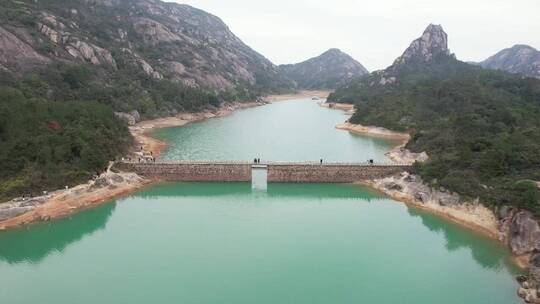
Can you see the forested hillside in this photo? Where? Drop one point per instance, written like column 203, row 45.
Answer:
column 50, row 144
column 481, row 128
column 146, row 55
column 66, row 66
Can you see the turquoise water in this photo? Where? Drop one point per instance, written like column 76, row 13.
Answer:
column 223, row 243
column 297, row 130
column 226, row 243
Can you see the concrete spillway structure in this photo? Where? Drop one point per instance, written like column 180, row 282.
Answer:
column 276, row 172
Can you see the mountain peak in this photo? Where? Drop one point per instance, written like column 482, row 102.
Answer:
column 433, row 42
column 326, row 71
column 333, row 51
column 519, row 59
column 523, row 47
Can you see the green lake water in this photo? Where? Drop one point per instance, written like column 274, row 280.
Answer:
column 226, row 243
column 299, row 130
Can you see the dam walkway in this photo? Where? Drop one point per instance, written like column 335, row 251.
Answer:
column 276, row 172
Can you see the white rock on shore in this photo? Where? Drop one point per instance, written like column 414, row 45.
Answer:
column 411, row 189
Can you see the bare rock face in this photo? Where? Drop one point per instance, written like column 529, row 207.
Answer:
column 434, row 41
column 154, row 32
column 519, row 59
column 524, row 233
column 534, row 267
column 165, row 40
column 405, row 156
column 130, row 118
column 17, row 55
column 429, row 51
column 19, row 206
column 413, row 186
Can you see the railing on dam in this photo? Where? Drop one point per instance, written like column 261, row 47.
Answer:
column 277, row 172
column 271, row 163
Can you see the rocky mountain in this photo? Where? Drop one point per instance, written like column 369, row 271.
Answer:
column 169, row 41
column 519, row 59
column 429, row 49
column 425, row 58
column 479, row 127
column 432, row 44
column 328, row 71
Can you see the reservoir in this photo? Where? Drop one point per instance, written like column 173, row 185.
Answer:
column 226, row 243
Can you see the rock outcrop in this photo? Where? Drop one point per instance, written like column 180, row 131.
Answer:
column 328, row 71
column 417, row 62
column 62, row 202
column 17, row 55
column 519, row 229
column 434, row 42
column 412, row 189
column 130, row 118
column 519, row 59
column 429, row 48
column 524, row 233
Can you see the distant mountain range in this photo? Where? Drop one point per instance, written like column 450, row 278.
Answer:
column 519, row 59
column 422, row 60
column 330, row 70
column 149, row 56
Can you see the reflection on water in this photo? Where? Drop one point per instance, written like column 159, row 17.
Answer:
column 275, row 190
column 486, row 252
column 224, row 243
column 36, row 243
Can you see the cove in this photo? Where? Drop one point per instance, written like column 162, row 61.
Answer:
column 226, row 243
column 295, row 130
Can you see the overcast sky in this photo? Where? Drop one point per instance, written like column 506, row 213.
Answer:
column 375, row 32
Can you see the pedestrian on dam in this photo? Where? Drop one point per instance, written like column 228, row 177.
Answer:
column 321, row 161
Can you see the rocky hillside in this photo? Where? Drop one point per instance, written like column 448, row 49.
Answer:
column 67, row 65
column 162, row 41
column 425, row 58
column 328, row 71
column 519, row 59
column 480, row 127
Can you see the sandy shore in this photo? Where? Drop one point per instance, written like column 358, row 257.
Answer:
column 473, row 216
column 374, row 131
column 347, row 107
column 64, row 203
column 297, row 95
column 476, row 217
column 142, row 130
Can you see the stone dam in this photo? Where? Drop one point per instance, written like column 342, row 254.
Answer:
column 276, row 172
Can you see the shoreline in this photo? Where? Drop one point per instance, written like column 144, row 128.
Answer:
column 109, row 186
column 142, row 131
column 486, row 224
column 471, row 215
column 64, row 203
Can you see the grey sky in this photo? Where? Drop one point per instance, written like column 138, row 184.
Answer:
column 375, row 32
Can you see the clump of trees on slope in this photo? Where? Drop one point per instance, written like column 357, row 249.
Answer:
column 481, row 128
